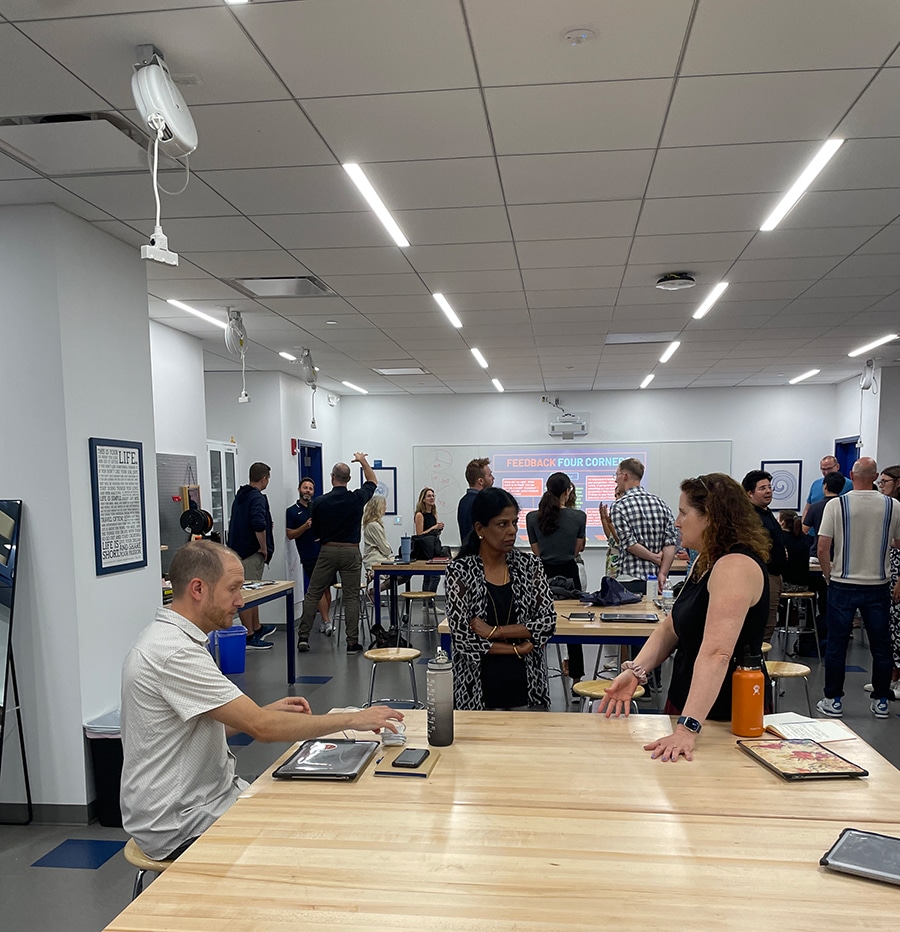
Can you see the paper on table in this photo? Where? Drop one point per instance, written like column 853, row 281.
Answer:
column 792, row 725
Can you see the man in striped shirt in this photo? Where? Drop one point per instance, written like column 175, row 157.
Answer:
column 862, row 524
column 644, row 525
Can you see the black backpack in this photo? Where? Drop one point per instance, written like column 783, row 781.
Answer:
column 382, row 637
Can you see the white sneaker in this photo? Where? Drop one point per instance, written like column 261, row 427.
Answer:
column 868, row 687
column 895, row 689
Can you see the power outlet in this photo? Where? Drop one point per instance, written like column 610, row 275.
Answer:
column 398, row 520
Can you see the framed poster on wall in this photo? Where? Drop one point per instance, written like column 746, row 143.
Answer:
column 787, row 483
column 117, row 495
column 386, row 477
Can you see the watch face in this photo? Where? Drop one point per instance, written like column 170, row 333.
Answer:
column 690, row 723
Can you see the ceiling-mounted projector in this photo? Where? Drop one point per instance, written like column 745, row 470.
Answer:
column 569, row 426
column 157, row 98
column 675, row 281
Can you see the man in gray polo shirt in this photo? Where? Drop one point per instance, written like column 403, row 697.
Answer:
column 862, row 525
column 178, row 774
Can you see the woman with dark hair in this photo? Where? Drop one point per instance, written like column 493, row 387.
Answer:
column 500, row 612
column 889, row 483
column 719, row 614
column 796, row 574
column 557, row 535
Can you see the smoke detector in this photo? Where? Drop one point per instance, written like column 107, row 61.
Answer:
column 675, row 281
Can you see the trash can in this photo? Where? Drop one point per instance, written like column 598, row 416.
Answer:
column 232, row 644
column 105, row 743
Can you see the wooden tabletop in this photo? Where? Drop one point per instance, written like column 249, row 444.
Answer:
column 542, row 821
column 415, row 567
column 276, row 587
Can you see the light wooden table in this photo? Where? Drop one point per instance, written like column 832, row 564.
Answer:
column 536, row 822
column 279, row 589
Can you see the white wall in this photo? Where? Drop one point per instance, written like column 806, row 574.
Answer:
column 77, row 366
column 889, row 417
column 794, row 422
column 179, row 398
column 857, row 412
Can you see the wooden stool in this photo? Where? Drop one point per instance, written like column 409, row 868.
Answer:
column 426, row 600
column 338, row 615
column 806, row 605
column 138, row 859
column 782, row 670
column 766, row 647
column 593, row 690
column 405, row 655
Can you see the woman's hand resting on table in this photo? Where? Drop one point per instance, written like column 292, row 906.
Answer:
column 617, row 698
column 680, row 743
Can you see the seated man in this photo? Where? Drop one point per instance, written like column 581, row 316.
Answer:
column 178, row 774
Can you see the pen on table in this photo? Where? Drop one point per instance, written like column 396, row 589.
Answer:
column 380, row 759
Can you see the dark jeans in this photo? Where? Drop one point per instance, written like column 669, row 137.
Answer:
column 874, row 604
column 346, row 562
column 430, row 583
column 569, row 569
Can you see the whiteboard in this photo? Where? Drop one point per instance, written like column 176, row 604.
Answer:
column 524, row 468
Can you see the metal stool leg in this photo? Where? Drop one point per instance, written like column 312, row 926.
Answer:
column 774, row 681
column 371, row 686
column 412, row 683
column 808, row 700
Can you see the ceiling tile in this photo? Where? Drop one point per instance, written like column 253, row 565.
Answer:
column 382, row 48
column 574, row 221
column 573, row 253
column 610, row 115
column 576, row 176
column 436, row 183
column 214, row 234
column 207, row 43
column 819, row 209
column 846, row 287
column 352, row 285
column 773, row 270
column 810, row 104
column 787, row 243
column 255, row 264
column 314, row 231
column 372, row 260
column 467, row 282
column 875, row 113
column 454, row 225
column 554, row 279
column 462, row 257
column 810, row 34
column 703, row 214
column 680, row 250
column 587, row 297
column 399, row 127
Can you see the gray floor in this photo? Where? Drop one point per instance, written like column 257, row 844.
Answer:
column 78, row 900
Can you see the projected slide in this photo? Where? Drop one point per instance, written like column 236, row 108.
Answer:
column 524, row 473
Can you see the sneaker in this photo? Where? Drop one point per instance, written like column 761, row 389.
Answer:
column 895, row 689
column 868, row 687
column 302, row 646
column 880, row 708
column 266, row 630
column 832, row 707
column 354, row 647
column 257, row 643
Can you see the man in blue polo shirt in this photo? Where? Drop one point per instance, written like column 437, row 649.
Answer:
column 817, row 490
column 337, row 523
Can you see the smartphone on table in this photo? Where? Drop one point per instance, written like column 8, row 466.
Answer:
column 411, row 758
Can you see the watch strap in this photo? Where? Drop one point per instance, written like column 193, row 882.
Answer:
column 690, row 723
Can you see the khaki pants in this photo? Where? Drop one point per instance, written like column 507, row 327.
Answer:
column 347, row 563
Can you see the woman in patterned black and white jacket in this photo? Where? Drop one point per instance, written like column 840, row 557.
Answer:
column 500, row 611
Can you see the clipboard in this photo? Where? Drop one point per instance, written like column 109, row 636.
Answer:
column 384, row 765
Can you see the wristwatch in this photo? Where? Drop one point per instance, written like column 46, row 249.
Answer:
column 690, row 723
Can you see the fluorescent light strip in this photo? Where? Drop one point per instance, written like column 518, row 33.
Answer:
column 444, row 305
column 647, row 380
column 798, row 188
column 288, row 357
column 480, row 359
column 196, row 313
column 497, row 385
column 806, row 375
column 872, row 345
column 355, row 388
column 670, row 352
column 711, row 299
column 358, row 177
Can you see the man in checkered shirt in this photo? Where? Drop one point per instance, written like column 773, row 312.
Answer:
column 644, row 525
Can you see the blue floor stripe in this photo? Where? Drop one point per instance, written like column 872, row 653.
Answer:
column 313, row 680
column 240, row 740
column 80, row 853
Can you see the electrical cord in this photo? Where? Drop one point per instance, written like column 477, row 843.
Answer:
column 183, row 188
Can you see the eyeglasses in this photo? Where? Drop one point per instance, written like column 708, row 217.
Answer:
column 701, row 480
column 889, row 481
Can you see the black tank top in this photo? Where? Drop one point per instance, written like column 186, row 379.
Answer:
column 689, row 619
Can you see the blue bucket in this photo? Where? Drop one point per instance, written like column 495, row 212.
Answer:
column 232, row 649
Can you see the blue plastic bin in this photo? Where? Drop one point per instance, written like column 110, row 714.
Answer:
column 232, row 644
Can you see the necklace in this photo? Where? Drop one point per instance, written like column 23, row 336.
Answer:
column 494, row 604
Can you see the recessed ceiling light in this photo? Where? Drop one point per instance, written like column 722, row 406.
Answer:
column 497, row 385
column 444, row 305
column 647, row 380
column 331, row 323
column 355, row 388
column 670, row 351
column 358, row 177
column 711, row 299
column 806, row 375
column 675, row 281
column 403, row 370
column 196, row 313
column 288, row 357
column 864, row 349
column 479, row 358
column 797, row 189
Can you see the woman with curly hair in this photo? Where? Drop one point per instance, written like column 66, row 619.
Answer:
column 719, row 614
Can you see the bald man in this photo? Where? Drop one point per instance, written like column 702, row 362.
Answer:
column 862, row 525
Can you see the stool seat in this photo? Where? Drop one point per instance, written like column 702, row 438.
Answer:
column 596, row 689
column 416, row 595
column 804, row 594
column 783, row 669
column 392, row 654
column 766, row 647
column 138, row 859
